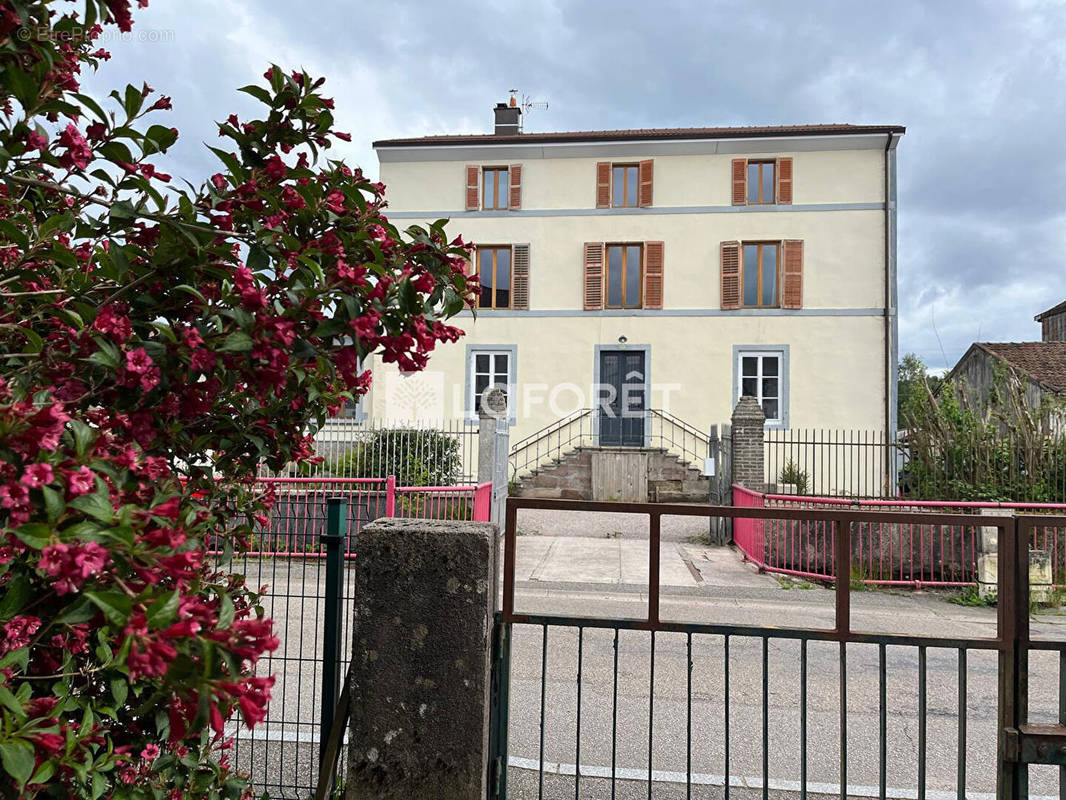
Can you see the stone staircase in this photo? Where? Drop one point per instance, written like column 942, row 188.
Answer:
column 569, row 477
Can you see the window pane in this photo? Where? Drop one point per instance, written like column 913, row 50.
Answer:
column 481, row 363
column 769, row 408
column 769, row 387
column 753, row 183
column 618, row 186
column 488, row 188
column 500, row 368
column 769, row 366
column 751, row 275
column 503, row 279
column 768, row 183
column 481, row 383
column 503, row 184
column 749, row 387
column 631, row 186
column 769, row 275
column 749, row 366
column 614, row 276
column 633, row 270
column 484, row 268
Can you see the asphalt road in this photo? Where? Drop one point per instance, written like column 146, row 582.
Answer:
column 281, row 754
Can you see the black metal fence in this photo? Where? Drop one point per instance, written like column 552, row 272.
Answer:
column 559, row 727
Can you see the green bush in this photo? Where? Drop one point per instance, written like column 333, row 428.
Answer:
column 417, row 457
column 791, row 473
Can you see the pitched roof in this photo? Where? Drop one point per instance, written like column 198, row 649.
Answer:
column 1044, row 362
column 1053, row 310
column 639, row 134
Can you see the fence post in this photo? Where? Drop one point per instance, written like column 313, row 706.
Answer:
column 421, row 660
column 390, row 496
column 334, row 539
column 500, row 484
column 493, row 450
column 749, row 456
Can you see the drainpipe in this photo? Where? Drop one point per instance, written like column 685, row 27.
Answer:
column 889, row 311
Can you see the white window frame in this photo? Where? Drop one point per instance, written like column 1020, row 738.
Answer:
column 472, row 351
column 781, row 353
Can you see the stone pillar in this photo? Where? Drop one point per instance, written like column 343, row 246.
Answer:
column 749, row 459
column 988, row 562
column 493, row 448
column 421, row 660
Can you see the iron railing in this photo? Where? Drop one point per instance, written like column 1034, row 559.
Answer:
column 741, row 713
column 582, row 427
column 886, row 554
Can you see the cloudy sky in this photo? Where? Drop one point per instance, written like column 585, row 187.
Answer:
column 979, row 86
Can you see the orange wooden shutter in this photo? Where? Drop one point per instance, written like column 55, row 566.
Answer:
column 520, row 277
column 473, row 187
column 593, row 276
column 603, row 184
column 784, row 180
column 731, row 255
column 646, row 170
column 740, row 181
column 653, row 275
column 514, row 175
column 792, row 280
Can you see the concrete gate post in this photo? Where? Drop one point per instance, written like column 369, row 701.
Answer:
column 494, row 450
column 421, row 651
column 749, row 459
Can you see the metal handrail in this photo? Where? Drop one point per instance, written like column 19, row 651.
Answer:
column 680, row 423
column 534, row 441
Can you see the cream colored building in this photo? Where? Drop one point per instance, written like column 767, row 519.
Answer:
column 660, row 269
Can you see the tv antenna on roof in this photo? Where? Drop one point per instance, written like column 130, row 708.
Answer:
column 527, row 103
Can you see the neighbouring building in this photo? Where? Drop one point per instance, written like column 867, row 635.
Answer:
column 1040, row 366
column 660, row 272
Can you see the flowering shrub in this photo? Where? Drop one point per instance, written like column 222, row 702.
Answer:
column 158, row 342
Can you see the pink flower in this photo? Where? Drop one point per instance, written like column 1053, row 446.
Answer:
column 18, row 631
column 14, row 496
column 36, row 141
column 138, row 361
column 292, row 199
column 81, row 481
column 78, row 151
column 72, row 564
column 112, row 322
column 37, row 475
column 275, row 169
column 150, row 752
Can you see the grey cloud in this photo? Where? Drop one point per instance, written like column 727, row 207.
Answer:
column 977, row 84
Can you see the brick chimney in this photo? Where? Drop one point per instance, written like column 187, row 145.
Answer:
column 508, row 119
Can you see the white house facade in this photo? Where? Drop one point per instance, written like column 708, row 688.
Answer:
column 669, row 269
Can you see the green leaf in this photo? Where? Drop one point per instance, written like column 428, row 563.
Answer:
column 231, row 162
column 162, row 611
column 97, row 505
column 123, row 211
column 163, row 136
column 258, row 258
column 44, row 773
column 236, row 342
column 17, row 757
column 133, row 100
column 53, row 503
column 259, row 93
column 84, row 436
column 120, row 691
column 15, row 596
column 35, row 534
column 81, row 611
column 225, row 612
column 9, row 701
column 115, row 605
column 92, row 105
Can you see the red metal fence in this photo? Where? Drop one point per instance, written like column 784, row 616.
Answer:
column 883, row 553
column 298, row 518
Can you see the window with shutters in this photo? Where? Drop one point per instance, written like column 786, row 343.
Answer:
column 494, row 269
column 762, row 181
column 762, row 186
column 762, row 372
column 624, row 185
column 624, row 275
column 489, row 366
column 759, row 275
column 495, row 187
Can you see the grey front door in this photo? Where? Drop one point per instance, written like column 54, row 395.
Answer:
column 622, row 398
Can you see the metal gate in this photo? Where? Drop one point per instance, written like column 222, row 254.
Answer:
column 967, row 696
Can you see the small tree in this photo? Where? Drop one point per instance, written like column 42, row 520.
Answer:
column 158, row 341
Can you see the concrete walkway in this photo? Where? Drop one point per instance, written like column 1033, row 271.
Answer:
column 620, row 563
